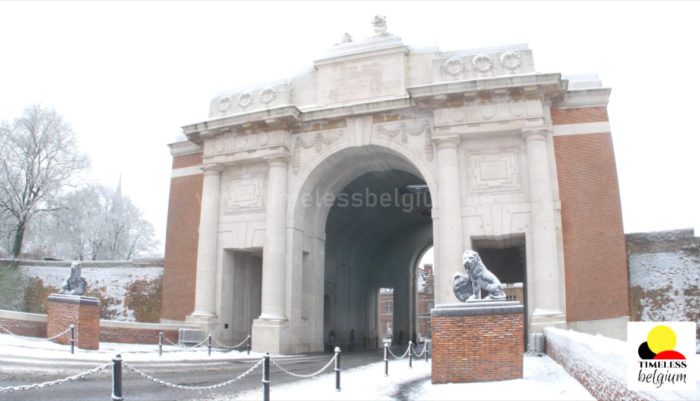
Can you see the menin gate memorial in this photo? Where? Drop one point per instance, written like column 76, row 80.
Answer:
column 518, row 164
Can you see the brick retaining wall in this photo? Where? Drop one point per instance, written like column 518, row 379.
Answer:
column 23, row 324
column 34, row 325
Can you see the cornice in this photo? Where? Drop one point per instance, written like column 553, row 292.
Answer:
column 593, row 97
column 549, row 85
column 273, row 118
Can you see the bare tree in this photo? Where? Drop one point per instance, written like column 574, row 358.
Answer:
column 98, row 223
column 40, row 156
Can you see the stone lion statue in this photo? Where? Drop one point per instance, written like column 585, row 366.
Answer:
column 74, row 284
column 379, row 22
column 468, row 287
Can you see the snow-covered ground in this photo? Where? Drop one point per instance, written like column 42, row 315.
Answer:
column 37, row 348
column 543, row 379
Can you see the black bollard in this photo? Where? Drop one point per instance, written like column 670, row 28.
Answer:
column 209, row 345
column 410, row 354
column 117, row 378
column 337, row 368
column 386, row 359
column 248, row 344
column 266, row 377
column 160, row 344
column 425, row 349
column 72, row 339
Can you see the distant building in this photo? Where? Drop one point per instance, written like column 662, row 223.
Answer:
column 425, row 301
column 386, row 312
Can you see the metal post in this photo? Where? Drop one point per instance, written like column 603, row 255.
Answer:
column 248, row 344
column 337, row 368
column 209, row 345
column 117, row 378
column 160, row 344
column 266, row 377
column 72, row 339
column 425, row 349
column 386, row 359
column 410, row 354
column 429, row 349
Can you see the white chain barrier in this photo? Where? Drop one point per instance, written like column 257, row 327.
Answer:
column 35, row 338
column 192, row 388
column 60, row 334
column 405, row 354
column 420, row 354
column 318, row 372
column 227, row 347
column 170, row 342
column 56, row 382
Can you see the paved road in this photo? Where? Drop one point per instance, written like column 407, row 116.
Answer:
column 22, row 371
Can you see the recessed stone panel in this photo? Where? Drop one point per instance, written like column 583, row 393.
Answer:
column 493, row 171
column 245, row 195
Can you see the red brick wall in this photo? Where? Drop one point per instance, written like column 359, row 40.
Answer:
column 182, row 236
column 27, row 328
column 594, row 241
column 194, row 159
column 136, row 336
column 31, row 328
column 579, row 115
column 477, row 348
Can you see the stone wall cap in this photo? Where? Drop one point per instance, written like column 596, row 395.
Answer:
column 73, row 299
column 481, row 307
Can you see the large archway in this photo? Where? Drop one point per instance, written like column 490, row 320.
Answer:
column 364, row 228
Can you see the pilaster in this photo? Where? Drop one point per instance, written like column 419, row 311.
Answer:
column 548, row 306
column 205, row 296
column 449, row 246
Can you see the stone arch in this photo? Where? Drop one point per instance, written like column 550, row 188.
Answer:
column 312, row 231
column 401, row 157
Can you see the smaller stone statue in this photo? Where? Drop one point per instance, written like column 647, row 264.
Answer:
column 74, row 284
column 379, row 23
column 468, row 287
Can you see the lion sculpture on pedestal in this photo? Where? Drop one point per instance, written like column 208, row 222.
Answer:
column 468, row 287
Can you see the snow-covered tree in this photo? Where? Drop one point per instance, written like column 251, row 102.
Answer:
column 98, row 223
column 39, row 157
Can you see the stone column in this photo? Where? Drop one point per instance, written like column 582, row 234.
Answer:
column 544, row 237
column 275, row 247
column 450, row 242
column 205, row 296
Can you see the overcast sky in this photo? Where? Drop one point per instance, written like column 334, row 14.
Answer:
column 128, row 75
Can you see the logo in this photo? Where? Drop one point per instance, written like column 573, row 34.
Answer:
column 663, row 355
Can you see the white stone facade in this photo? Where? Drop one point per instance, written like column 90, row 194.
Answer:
column 474, row 126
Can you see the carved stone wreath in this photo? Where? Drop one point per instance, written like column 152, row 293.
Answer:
column 224, row 103
column 454, row 66
column 245, row 99
column 267, row 95
column 510, row 60
column 482, row 63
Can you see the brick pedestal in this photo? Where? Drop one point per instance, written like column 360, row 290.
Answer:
column 477, row 341
column 83, row 313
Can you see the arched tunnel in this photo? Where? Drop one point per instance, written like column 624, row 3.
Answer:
column 375, row 233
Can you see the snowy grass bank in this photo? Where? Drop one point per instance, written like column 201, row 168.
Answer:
column 600, row 365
